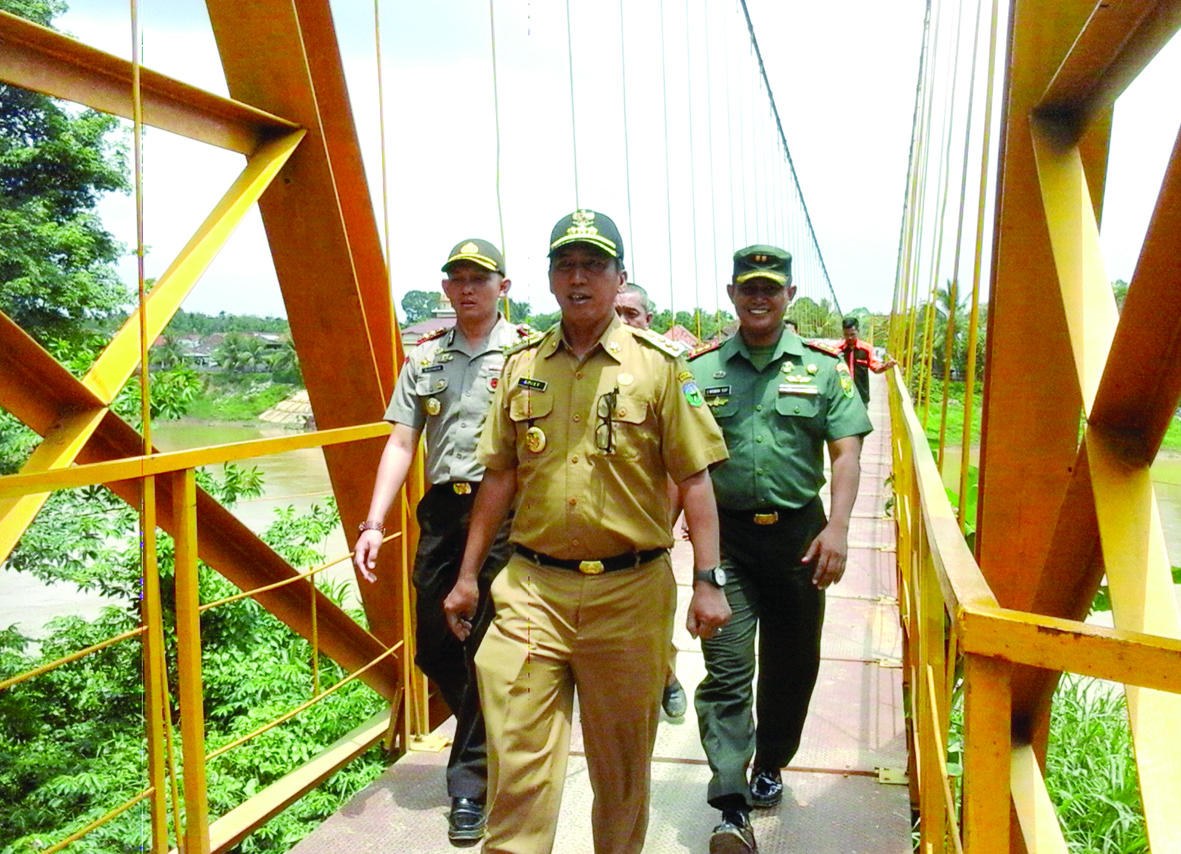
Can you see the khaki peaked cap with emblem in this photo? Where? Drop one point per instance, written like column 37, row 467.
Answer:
column 478, row 252
column 762, row 262
column 589, row 227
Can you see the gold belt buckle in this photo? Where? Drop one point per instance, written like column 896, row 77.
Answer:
column 590, row 567
column 766, row 518
column 462, row 488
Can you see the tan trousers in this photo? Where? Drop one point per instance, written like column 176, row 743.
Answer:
column 556, row 631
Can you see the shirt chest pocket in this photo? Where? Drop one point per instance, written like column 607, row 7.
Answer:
column 529, row 412
column 804, row 408
column 430, row 384
column 626, row 433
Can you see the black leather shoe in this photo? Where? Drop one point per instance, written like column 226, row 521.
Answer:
column 465, row 824
column 673, row 701
column 766, row 788
column 734, row 835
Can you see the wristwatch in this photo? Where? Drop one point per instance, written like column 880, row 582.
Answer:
column 715, row 576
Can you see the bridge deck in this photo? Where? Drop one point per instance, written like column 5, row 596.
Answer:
column 834, row 801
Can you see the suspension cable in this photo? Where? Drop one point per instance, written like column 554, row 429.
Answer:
column 573, row 119
column 974, row 316
column 627, row 169
column 668, row 205
column 949, row 335
column 692, row 175
column 496, row 126
column 787, row 151
column 709, row 138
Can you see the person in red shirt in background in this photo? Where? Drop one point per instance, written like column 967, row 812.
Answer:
column 859, row 357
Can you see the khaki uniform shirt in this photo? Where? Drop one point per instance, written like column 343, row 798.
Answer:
column 445, row 387
column 591, row 477
column 776, row 421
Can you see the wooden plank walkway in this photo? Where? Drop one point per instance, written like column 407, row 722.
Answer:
column 834, row 803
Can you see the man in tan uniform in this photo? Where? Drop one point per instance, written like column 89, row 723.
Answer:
column 589, row 422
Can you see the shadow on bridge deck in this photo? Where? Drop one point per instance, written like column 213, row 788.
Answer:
column 834, row 803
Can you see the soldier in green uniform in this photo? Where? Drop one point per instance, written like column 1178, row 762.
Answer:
column 778, row 401
column 589, row 423
column 444, row 389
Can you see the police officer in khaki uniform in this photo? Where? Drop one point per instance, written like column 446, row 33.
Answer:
column 589, row 423
column 445, row 388
column 779, row 401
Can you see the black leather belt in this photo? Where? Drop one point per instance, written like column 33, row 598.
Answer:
column 593, row 567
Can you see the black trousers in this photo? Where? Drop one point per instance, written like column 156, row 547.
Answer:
column 443, row 521
column 768, row 590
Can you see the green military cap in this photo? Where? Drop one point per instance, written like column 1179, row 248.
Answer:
column 478, row 252
column 762, row 262
column 583, row 226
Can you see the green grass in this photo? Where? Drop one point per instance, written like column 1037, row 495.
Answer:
column 955, row 418
column 1090, row 770
column 238, row 397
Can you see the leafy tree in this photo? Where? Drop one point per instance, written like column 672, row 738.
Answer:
column 418, row 305
column 167, row 353
column 1120, row 289
column 71, row 741
column 55, row 164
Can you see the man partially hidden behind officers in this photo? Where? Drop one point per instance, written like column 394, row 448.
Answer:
column 590, row 421
column 445, row 388
column 778, row 401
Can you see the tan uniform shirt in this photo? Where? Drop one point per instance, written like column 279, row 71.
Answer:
column 591, row 477
column 445, row 388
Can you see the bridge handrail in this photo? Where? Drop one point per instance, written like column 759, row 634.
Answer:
column 167, row 462
column 196, row 830
column 950, row 618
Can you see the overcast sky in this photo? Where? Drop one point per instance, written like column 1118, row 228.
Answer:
column 843, row 75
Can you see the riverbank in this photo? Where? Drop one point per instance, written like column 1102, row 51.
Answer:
column 228, row 396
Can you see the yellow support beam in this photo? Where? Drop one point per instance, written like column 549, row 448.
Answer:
column 1031, row 802
column 190, row 694
column 1074, row 240
column 46, row 61
column 235, row 825
column 118, row 360
column 59, row 448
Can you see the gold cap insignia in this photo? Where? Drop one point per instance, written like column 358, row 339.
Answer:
column 469, row 248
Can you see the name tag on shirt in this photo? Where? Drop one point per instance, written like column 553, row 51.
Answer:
column 431, row 368
column 529, row 382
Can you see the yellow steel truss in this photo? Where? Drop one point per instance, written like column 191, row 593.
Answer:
column 1055, row 513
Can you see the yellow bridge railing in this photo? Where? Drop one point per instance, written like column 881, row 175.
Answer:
column 192, row 830
column 953, row 624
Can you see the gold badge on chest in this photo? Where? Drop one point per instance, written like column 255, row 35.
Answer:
column 433, row 407
column 535, row 440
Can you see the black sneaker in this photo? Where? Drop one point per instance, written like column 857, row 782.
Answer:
column 734, row 835
column 673, row 701
column 766, row 788
column 465, row 823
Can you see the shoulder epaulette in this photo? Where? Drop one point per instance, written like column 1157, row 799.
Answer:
column 531, row 339
column 431, row 336
column 701, row 350
column 658, row 341
column 824, row 348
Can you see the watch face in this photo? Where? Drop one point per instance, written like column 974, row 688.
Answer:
column 720, row 577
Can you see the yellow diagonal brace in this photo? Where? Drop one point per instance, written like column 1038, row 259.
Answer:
column 1091, row 315
column 59, row 448
column 1140, row 580
column 116, row 363
column 1032, row 804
